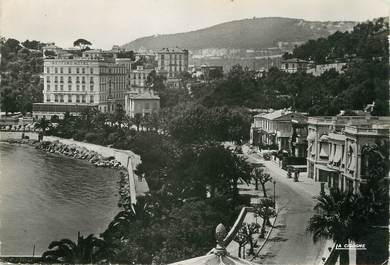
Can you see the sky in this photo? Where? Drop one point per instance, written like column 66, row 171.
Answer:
column 109, row 22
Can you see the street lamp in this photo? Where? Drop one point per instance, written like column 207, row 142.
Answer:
column 274, row 182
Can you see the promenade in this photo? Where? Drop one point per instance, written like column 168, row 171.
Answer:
column 295, row 201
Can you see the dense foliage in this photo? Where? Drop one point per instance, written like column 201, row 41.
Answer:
column 191, row 179
column 364, row 81
column 20, row 68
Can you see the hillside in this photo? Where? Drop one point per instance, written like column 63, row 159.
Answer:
column 256, row 33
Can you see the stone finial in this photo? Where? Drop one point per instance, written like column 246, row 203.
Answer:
column 220, row 234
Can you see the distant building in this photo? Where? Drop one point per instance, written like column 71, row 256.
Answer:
column 319, row 69
column 294, row 65
column 138, row 78
column 171, row 62
column 335, row 147
column 144, row 103
column 206, row 72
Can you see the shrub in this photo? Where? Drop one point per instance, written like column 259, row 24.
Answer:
column 79, row 135
column 91, row 137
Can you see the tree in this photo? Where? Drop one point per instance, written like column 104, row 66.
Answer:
column 336, row 219
column 42, row 124
column 374, row 203
column 83, row 44
column 137, row 119
column 265, row 210
column 259, row 175
column 245, row 235
column 85, row 250
column 119, row 115
column 220, row 169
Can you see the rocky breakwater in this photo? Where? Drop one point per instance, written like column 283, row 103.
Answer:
column 79, row 152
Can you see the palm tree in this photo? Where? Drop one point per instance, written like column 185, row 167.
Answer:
column 336, row 219
column 265, row 210
column 42, row 124
column 86, row 250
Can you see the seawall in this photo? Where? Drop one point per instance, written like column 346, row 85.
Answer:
column 128, row 159
column 5, row 135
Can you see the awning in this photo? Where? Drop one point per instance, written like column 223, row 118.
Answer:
column 324, row 152
column 337, row 154
column 325, row 168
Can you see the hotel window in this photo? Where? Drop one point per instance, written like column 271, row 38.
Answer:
column 61, row 79
column 91, row 71
column 83, row 98
column 77, row 70
column 48, row 79
column 83, row 79
column 78, row 87
column 69, row 79
column 55, row 88
column 55, row 70
column 55, row 98
column 62, row 87
column 83, row 70
column 69, row 98
column 78, row 98
column 69, row 70
column 91, row 99
column 77, row 79
column 61, row 98
column 56, row 79
column 47, row 97
column 48, row 87
column 48, row 70
column 91, row 88
column 91, row 80
column 69, row 87
column 83, row 87
column 61, row 70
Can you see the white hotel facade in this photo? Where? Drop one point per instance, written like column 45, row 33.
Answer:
column 73, row 84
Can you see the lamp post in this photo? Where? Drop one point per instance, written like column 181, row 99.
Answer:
column 274, row 182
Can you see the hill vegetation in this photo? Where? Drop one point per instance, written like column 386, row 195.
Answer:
column 256, row 33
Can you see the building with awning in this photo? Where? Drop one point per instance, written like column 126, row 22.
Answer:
column 335, row 144
column 277, row 128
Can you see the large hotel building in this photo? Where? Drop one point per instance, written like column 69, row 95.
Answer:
column 71, row 85
column 102, row 80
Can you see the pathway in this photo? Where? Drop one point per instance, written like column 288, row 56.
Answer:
column 289, row 242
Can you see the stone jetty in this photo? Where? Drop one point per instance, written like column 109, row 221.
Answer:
column 79, row 152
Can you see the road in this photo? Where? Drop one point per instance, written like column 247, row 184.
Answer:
column 289, row 242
